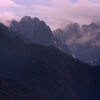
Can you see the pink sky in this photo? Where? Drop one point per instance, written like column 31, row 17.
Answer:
column 56, row 13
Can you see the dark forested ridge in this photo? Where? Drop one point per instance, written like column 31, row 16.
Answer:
column 11, row 90
column 46, row 71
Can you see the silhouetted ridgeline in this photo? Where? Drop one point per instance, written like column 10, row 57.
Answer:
column 48, row 72
column 78, row 41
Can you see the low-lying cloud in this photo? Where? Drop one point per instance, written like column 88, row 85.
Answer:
column 7, row 17
column 57, row 13
column 86, row 35
column 8, row 12
column 62, row 12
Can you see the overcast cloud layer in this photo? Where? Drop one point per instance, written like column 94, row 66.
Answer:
column 64, row 11
column 56, row 13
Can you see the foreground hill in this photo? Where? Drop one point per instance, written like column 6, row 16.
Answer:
column 11, row 90
column 48, row 71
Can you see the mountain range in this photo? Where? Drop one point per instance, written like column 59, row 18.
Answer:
column 83, row 41
column 78, row 41
column 34, row 30
column 11, row 90
column 43, row 71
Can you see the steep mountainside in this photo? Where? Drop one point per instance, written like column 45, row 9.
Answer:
column 34, row 30
column 11, row 90
column 48, row 71
column 84, row 41
column 80, row 42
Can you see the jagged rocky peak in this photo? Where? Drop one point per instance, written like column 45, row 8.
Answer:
column 72, row 27
column 60, row 34
column 59, row 30
column 26, row 17
column 26, row 20
column 91, row 26
column 74, row 24
column 94, row 26
column 29, row 18
column 33, row 20
column 36, row 19
column 33, row 30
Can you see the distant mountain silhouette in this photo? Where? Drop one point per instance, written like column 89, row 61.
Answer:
column 83, row 41
column 48, row 71
column 32, row 30
column 80, row 42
